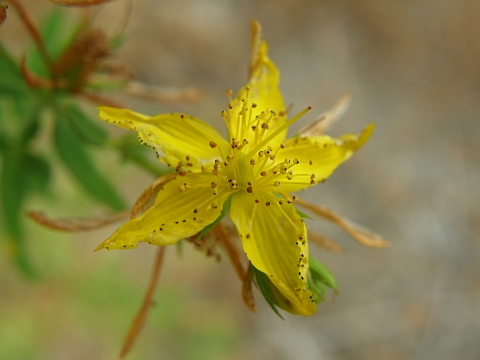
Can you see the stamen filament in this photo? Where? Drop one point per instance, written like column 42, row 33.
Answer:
column 278, row 131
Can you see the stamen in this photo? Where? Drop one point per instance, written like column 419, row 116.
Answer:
column 278, row 131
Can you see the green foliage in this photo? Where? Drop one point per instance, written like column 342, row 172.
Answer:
column 38, row 173
column 27, row 111
column 85, row 129
column 13, row 190
column 74, row 155
column 11, row 79
column 131, row 150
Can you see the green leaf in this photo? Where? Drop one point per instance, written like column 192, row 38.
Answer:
column 37, row 170
column 130, row 149
column 13, row 190
column 225, row 211
column 263, row 283
column 77, row 159
column 87, row 130
column 13, row 187
column 11, row 79
column 117, row 41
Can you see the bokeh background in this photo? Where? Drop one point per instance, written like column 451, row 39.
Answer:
column 412, row 67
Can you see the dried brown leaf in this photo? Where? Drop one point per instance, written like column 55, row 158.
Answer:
column 162, row 95
column 319, row 126
column 76, row 224
column 247, row 292
column 325, row 242
column 34, row 80
column 97, row 100
column 146, row 198
column 3, row 13
column 359, row 233
column 255, row 47
column 230, row 249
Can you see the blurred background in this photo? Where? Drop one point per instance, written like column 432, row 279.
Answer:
column 412, row 67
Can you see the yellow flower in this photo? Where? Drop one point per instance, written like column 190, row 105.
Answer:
column 253, row 172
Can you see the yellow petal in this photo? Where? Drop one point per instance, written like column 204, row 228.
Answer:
column 182, row 208
column 261, row 90
column 274, row 238
column 318, row 157
column 175, row 137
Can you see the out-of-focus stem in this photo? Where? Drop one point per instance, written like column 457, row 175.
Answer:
column 139, row 320
column 98, row 99
column 32, row 28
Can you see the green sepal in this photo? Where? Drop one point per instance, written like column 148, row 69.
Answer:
column 320, row 279
column 263, row 283
column 75, row 156
column 179, row 248
column 303, row 215
column 225, row 211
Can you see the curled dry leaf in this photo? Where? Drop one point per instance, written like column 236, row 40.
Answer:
column 247, row 293
column 34, row 80
column 325, row 242
column 148, row 196
column 3, row 13
column 255, row 46
column 361, row 234
column 79, row 3
column 162, row 95
column 208, row 244
column 76, row 224
column 230, row 249
column 319, row 126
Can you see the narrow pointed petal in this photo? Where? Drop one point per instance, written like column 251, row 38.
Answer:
column 173, row 136
column 179, row 211
column 317, row 157
column 274, row 238
column 361, row 234
column 261, row 90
